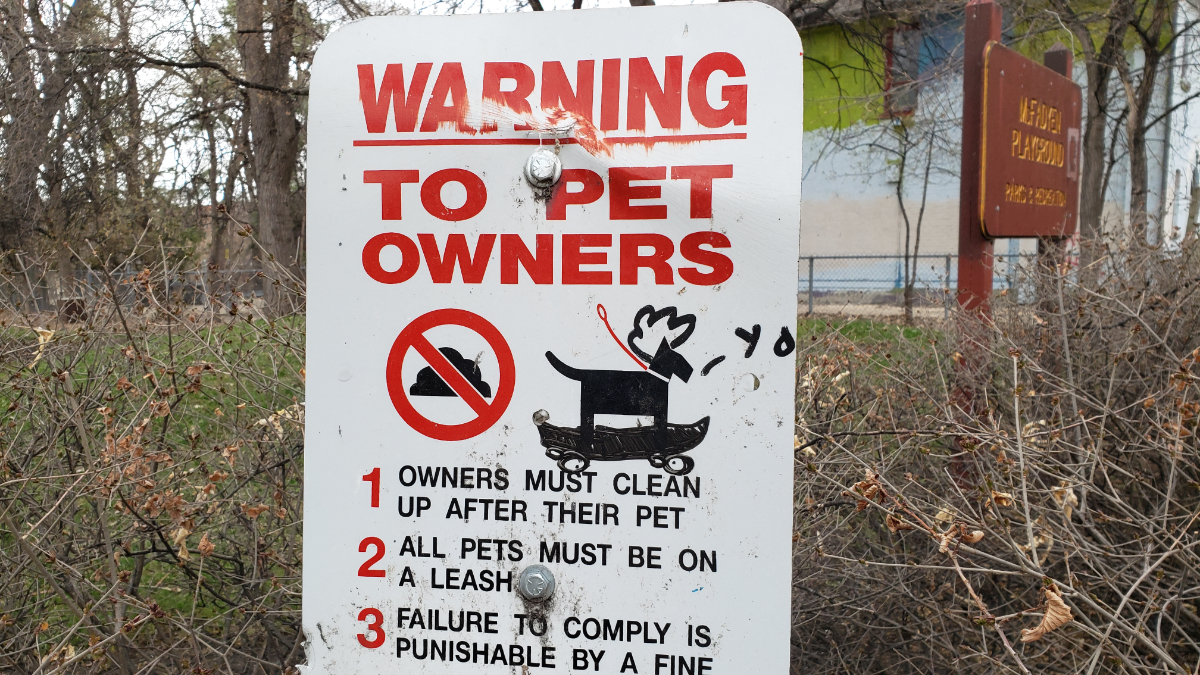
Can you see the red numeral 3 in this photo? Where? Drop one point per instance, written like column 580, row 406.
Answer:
column 374, row 626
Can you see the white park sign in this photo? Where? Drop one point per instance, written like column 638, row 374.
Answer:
column 551, row 301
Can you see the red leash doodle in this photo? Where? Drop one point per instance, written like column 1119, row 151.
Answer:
column 604, row 317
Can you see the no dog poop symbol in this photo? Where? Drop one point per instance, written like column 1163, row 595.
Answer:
column 450, row 374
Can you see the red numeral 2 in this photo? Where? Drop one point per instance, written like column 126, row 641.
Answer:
column 373, row 479
column 365, row 570
column 375, row 627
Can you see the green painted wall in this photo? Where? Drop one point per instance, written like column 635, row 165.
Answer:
column 842, row 80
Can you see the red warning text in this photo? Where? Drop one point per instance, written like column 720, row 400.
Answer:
column 601, row 259
column 577, row 187
column 578, row 259
column 658, row 87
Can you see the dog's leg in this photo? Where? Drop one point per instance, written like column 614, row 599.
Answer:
column 660, row 432
column 587, row 431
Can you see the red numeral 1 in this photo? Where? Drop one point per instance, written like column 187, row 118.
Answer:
column 373, row 479
column 365, row 569
column 375, row 627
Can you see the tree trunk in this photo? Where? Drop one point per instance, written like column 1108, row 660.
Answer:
column 1100, row 64
column 218, row 257
column 36, row 97
column 1139, row 219
column 1139, row 98
column 1091, row 179
column 24, row 137
column 273, row 126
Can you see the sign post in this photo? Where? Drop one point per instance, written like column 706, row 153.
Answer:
column 974, row 248
column 1021, row 150
column 1051, row 249
column 552, row 294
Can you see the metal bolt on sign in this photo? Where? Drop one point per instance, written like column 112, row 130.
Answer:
column 536, row 583
column 543, row 168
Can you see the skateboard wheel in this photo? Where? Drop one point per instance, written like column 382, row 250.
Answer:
column 679, row 465
column 573, row 462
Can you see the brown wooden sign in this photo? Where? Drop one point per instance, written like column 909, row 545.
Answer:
column 1029, row 173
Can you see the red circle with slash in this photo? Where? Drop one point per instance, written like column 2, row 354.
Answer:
column 413, row 337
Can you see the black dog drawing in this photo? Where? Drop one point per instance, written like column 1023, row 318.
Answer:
column 626, row 392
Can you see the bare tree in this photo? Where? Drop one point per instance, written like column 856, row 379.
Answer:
column 274, row 127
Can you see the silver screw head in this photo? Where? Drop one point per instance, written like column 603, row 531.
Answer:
column 536, row 583
column 541, row 417
column 543, row 169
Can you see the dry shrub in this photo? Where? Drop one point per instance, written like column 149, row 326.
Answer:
column 1010, row 496
column 989, row 497
column 150, row 477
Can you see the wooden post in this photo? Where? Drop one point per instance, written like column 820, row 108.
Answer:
column 1052, row 250
column 1059, row 59
column 974, row 250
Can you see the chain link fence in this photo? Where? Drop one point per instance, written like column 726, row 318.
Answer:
column 36, row 289
column 871, row 284
column 855, row 284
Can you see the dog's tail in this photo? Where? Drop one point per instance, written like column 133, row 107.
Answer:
column 573, row 373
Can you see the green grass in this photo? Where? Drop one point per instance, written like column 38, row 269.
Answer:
column 863, row 330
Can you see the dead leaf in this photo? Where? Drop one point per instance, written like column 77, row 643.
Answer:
column 1065, row 497
column 944, row 542
column 895, row 524
column 869, row 488
column 1057, row 614
column 944, row 516
column 973, row 537
column 206, row 547
column 198, row 369
column 254, row 511
column 44, row 336
column 183, row 554
column 1002, row 498
column 181, row 536
column 1040, row 539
